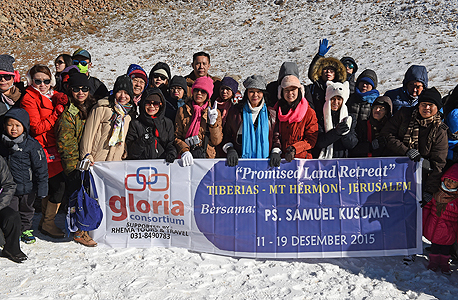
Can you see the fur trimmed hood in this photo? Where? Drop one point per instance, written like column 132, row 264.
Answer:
column 341, row 71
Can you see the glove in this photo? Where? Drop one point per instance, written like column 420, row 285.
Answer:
column 414, row 155
column 426, row 197
column 426, row 166
column 213, row 114
column 323, row 49
column 375, row 144
column 379, row 142
column 187, row 159
column 170, row 157
column 58, row 110
column 342, row 128
column 290, row 153
column 232, row 157
column 275, row 159
column 59, row 99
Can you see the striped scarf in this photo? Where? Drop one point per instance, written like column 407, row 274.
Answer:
column 117, row 136
column 413, row 130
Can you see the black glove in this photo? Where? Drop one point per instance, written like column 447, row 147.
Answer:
column 290, row 153
column 414, row 155
column 232, row 157
column 378, row 142
column 426, row 166
column 275, row 159
column 426, row 198
column 170, row 157
column 341, row 128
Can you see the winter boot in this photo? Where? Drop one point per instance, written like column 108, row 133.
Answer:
column 83, row 238
column 44, row 203
column 445, row 266
column 49, row 227
column 434, row 262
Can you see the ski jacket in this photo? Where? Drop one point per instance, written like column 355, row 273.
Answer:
column 441, row 230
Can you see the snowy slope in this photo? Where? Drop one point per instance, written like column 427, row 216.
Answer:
column 244, row 38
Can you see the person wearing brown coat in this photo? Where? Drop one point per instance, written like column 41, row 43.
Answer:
column 198, row 128
column 418, row 132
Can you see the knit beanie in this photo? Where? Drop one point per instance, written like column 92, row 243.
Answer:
column 368, row 76
column 161, row 72
column 78, row 79
column 6, row 64
column 178, row 81
column 431, row 95
column 451, row 173
column 204, row 83
column 230, row 83
column 124, row 82
column 287, row 81
column 337, row 89
column 255, row 82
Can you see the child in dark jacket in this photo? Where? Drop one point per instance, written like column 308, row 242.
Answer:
column 440, row 221
column 28, row 165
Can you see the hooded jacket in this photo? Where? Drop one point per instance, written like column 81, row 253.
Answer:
column 400, row 96
column 350, row 77
column 7, row 183
column 160, row 138
column 357, row 104
column 28, row 164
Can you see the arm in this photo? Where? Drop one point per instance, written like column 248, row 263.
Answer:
column 180, row 132
column 90, row 129
column 135, row 144
column 169, row 138
column 37, row 124
column 437, row 158
column 67, row 143
column 40, row 169
column 312, row 66
column 7, row 184
column 216, row 130
column 310, row 135
column 393, row 144
column 350, row 140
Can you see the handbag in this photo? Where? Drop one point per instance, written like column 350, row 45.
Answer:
column 84, row 212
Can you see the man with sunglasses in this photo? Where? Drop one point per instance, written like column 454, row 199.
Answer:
column 12, row 90
column 352, row 68
column 201, row 65
column 82, row 59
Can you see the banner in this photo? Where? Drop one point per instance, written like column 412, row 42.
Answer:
column 306, row 208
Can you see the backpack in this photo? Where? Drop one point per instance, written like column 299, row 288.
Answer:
column 84, row 212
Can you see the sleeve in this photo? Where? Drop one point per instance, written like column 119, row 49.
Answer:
column 8, row 186
column 310, row 133
column 179, row 132
column 40, row 169
column 101, row 90
column 170, row 138
column 437, row 158
column 326, row 138
column 67, row 142
column 216, row 130
column 350, row 140
column 38, row 126
column 135, row 145
column 394, row 146
column 312, row 66
column 90, row 129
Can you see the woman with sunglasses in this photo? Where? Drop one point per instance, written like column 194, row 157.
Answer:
column 61, row 62
column 352, row 68
column 107, row 124
column 11, row 87
column 151, row 135
column 198, row 128
column 45, row 106
column 160, row 77
column 69, row 130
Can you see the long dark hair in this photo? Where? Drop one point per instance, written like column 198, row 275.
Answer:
column 84, row 108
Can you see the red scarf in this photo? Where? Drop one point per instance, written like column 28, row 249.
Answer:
column 294, row 116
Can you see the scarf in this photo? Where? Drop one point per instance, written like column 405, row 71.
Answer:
column 368, row 96
column 293, row 115
column 196, row 118
column 413, row 130
column 48, row 94
column 180, row 103
column 224, row 108
column 13, row 144
column 255, row 143
column 119, row 114
column 442, row 199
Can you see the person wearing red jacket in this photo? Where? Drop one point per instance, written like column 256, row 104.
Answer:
column 45, row 106
column 440, row 221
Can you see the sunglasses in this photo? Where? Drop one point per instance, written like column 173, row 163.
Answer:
column 150, row 103
column 162, row 77
column 176, row 88
column 59, row 62
column 78, row 62
column 200, row 90
column 76, row 89
column 38, row 81
column 7, row 77
column 350, row 66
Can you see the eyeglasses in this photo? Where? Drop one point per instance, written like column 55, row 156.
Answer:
column 59, row 62
column 176, row 88
column 162, row 77
column 150, row 103
column 76, row 89
column 350, row 66
column 39, row 82
column 80, row 62
column 7, row 77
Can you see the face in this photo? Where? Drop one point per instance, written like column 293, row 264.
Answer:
column 336, row 103
column 364, row 87
column 177, row 92
column 378, row 112
column 159, row 79
column 450, row 184
column 122, row 97
column 225, row 93
column 427, row 109
column 82, row 63
column 255, row 97
column 80, row 93
column 139, row 85
column 349, row 66
column 60, row 64
column 201, row 66
column 13, row 128
column 6, row 81
column 152, row 107
column 42, row 82
column 414, row 88
column 199, row 96
column 328, row 74
column 290, row 94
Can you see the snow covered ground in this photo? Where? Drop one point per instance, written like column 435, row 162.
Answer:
column 244, row 38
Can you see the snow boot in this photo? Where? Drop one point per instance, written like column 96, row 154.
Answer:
column 445, row 266
column 434, row 262
column 49, row 227
column 44, row 203
column 83, row 238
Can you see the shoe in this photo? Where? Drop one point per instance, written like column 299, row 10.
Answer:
column 444, row 264
column 17, row 258
column 49, row 228
column 27, row 237
column 409, row 259
column 83, row 238
column 434, row 262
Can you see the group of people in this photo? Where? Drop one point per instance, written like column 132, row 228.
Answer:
column 57, row 123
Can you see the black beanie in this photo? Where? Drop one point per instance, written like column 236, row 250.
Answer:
column 179, row 81
column 431, row 95
column 124, row 82
column 78, row 79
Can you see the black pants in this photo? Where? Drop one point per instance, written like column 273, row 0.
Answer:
column 10, row 223
column 440, row 249
column 56, row 186
column 24, row 205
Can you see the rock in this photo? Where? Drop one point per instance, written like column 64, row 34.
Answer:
column 3, row 19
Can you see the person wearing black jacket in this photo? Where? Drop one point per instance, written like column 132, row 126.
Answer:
column 151, row 135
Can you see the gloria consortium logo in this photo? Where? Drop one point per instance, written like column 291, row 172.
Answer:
column 148, row 199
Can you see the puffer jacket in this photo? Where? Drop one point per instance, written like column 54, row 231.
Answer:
column 7, row 183
column 162, row 137
column 28, row 165
column 441, row 230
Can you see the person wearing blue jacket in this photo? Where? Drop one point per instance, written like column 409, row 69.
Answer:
column 28, row 165
column 415, row 81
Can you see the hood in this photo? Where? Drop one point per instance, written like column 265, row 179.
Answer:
column 149, row 92
column 386, row 102
column 160, row 65
column 341, row 71
column 345, row 59
column 416, row 73
column 21, row 115
column 288, row 68
column 368, row 73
